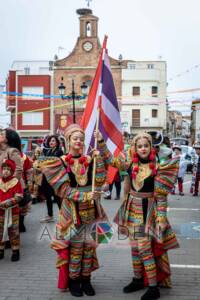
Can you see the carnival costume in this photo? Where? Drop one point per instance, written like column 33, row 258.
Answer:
column 71, row 178
column 27, row 176
column 10, row 197
column 144, row 215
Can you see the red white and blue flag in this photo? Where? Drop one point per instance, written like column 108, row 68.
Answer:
column 102, row 96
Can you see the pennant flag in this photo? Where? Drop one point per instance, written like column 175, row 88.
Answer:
column 102, row 96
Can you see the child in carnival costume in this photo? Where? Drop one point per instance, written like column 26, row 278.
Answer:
column 11, row 194
column 143, row 214
column 71, row 178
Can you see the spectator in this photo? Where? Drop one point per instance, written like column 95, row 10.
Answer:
column 52, row 149
column 182, row 169
column 10, row 148
column 197, row 177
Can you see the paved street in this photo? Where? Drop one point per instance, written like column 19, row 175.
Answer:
column 35, row 276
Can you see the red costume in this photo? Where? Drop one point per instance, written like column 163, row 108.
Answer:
column 10, row 195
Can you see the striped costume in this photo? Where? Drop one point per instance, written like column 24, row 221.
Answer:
column 10, row 195
column 143, row 215
column 73, row 183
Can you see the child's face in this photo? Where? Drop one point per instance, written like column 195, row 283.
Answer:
column 6, row 172
column 77, row 140
column 143, row 147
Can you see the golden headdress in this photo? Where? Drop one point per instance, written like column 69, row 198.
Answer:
column 142, row 135
column 71, row 129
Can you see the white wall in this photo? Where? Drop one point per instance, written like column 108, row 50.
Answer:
column 39, row 67
column 145, row 78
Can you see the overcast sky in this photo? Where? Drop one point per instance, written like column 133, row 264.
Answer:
column 137, row 29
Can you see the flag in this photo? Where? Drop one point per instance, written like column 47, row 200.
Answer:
column 102, row 96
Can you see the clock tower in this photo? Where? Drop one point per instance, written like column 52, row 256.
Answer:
column 88, row 30
column 81, row 63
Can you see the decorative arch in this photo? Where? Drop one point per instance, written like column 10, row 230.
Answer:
column 88, row 29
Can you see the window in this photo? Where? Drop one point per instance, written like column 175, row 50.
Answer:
column 154, row 113
column 154, row 91
column 88, row 29
column 136, row 90
column 27, row 71
column 150, row 66
column 136, row 117
column 131, row 66
column 32, row 118
column 32, row 92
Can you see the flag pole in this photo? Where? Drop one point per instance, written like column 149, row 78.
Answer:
column 95, row 147
column 98, row 117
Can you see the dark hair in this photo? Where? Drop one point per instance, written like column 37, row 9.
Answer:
column 51, row 137
column 166, row 141
column 13, row 138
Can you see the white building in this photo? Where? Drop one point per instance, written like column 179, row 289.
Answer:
column 195, row 123
column 31, row 67
column 143, row 103
column 186, row 126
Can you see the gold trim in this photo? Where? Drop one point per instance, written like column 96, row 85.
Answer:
column 5, row 186
column 143, row 173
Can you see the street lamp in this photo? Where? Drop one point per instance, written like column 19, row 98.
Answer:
column 73, row 96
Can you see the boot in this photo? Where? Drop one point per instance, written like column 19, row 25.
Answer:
column 75, row 287
column 15, row 255
column 87, row 288
column 7, row 245
column 22, row 228
column 1, row 254
column 34, row 200
column 152, row 293
column 135, row 285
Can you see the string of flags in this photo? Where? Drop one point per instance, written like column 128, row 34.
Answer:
column 195, row 67
column 44, row 96
column 81, row 100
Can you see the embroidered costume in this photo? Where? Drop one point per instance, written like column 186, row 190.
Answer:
column 71, row 178
column 10, row 195
column 144, row 215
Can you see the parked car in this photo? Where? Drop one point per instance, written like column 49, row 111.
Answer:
column 189, row 155
column 179, row 141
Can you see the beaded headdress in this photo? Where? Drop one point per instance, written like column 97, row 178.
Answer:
column 140, row 136
column 71, row 129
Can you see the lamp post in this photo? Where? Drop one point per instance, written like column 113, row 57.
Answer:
column 73, row 95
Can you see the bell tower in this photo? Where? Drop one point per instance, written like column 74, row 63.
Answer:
column 88, row 23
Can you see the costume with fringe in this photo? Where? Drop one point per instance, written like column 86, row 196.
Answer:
column 144, row 215
column 71, row 178
column 11, row 194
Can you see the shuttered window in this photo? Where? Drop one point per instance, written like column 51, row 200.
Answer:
column 136, row 91
column 136, row 117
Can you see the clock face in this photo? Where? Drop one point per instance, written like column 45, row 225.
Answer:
column 87, row 46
